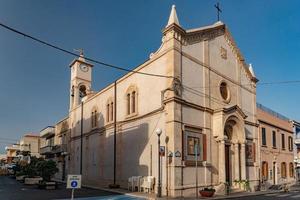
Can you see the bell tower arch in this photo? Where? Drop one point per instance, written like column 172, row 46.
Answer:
column 81, row 80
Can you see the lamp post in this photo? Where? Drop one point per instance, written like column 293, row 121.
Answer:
column 158, row 132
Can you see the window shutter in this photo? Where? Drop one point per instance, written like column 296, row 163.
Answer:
column 204, row 147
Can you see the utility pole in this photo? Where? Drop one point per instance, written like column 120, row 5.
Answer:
column 115, row 185
column 81, row 136
column 196, row 162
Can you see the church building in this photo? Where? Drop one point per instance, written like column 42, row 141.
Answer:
column 197, row 89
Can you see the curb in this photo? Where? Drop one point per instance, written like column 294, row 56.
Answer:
column 163, row 198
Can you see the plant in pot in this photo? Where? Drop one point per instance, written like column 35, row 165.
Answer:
column 46, row 169
column 207, row 192
column 246, row 185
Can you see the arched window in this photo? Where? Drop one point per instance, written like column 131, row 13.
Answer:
column 264, row 170
column 283, row 170
column 110, row 111
column 291, row 170
column 107, row 112
column 94, row 118
column 128, row 104
column 131, row 101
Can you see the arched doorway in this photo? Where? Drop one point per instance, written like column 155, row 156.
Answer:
column 234, row 150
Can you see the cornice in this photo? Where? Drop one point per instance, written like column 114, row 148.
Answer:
column 275, row 126
column 80, row 61
column 189, row 104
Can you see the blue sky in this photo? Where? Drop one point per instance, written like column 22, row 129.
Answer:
column 34, row 80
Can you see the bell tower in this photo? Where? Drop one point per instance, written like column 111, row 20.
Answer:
column 81, row 80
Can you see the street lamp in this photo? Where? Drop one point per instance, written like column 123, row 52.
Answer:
column 158, row 132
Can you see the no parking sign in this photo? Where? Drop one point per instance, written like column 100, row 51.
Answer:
column 74, row 181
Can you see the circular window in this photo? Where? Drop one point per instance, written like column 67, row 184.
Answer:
column 224, row 91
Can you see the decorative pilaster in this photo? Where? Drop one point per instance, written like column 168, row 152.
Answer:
column 236, row 162
column 222, row 169
column 243, row 161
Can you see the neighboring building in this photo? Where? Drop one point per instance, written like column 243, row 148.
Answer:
column 2, row 159
column 54, row 145
column 296, row 126
column 30, row 145
column 47, row 136
column 12, row 152
column 207, row 97
column 276, row 147
column 60, row 149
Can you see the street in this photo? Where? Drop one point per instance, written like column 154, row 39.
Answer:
column 10, row 189
column 274, row 196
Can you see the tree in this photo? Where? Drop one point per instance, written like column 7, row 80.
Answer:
column 46, row 169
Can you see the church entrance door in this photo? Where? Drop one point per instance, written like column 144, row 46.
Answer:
column 227, row 164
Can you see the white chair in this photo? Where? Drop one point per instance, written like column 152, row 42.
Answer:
column 130, row 184
column 148, row 184
column 136, row 183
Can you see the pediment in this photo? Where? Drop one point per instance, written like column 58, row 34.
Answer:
column 233, row 110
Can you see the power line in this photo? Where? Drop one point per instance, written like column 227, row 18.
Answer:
column 8, row 139
column 121, row 68
column 213, row 99
column 77, row 55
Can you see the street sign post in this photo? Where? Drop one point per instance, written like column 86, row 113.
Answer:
column 74, row 182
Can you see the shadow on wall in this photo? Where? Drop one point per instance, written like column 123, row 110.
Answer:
column 132, row 139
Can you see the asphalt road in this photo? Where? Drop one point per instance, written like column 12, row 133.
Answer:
column 10, row 189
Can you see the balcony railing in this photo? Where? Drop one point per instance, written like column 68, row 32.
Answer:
column 25, row 147
column 59, row 148
column 53, row 149
column 46, row 150
column 47, row 132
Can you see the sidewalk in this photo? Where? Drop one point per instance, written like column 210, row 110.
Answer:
column 153, row 196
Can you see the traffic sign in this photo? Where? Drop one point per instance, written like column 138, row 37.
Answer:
column 74, row 181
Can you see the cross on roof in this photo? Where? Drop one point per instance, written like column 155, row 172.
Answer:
column 217, row 6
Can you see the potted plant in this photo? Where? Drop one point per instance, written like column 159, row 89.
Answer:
column 246, row 185
column 207, row 192
column 32, row 176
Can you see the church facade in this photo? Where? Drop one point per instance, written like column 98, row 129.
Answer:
column 196, row 88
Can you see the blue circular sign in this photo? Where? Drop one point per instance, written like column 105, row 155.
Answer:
column 74, row 184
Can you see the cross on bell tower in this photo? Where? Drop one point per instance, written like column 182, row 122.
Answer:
column 217, row 6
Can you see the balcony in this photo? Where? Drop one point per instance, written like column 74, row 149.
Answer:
column 59, row 148
column 25, row 147
column 47, row 132
column 297, row 141
column 46, row 150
